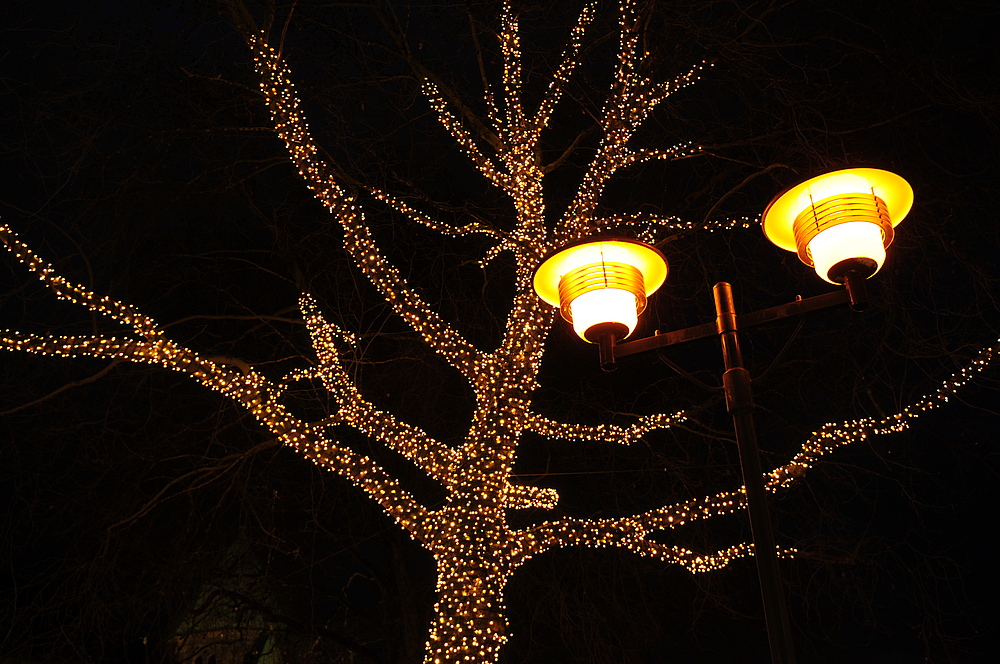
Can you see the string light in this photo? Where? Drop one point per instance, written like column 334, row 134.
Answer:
column 474, row 547
column 833, row 435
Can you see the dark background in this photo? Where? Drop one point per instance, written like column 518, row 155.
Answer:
column 138, row 158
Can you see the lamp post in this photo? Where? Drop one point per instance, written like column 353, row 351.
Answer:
column 839, row 223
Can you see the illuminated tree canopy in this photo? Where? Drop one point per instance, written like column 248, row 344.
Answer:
column 476, row 543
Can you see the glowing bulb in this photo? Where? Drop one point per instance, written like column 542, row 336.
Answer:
column 608, row 305
column 852, row 245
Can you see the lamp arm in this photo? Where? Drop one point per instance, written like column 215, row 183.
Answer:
column 853, row 294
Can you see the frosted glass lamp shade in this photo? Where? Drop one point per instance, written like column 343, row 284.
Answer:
column 853, row 245
column 604, row 306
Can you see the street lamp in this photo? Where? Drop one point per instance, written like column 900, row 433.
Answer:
column 840, row 223
column 600, row 286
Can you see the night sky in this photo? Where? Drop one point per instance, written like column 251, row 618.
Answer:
column 138, row 159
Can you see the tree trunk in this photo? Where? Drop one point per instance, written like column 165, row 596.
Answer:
column 469, row 623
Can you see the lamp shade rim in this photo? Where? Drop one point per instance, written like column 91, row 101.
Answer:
column 779, row 217
column 649, row 260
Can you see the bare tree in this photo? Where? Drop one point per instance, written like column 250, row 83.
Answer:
column 473, row 533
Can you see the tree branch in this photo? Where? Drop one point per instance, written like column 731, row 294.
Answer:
column 632, row 532
column 59, row 390
column 435, row 459
column 570, row 59
column 423, row 73
column 510, row 47
column 248, row 388
column 251, row 391
column 291, row 127
column 64, row 290
column 489, row 170
column 830, row 436
column 633, row 98
column 618, row 533
column 440, row 336
column 424, row 220
column 609, row 433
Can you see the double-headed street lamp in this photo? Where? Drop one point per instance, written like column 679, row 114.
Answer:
column 839, row 223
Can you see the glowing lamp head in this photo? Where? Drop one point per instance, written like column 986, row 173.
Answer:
column 840, row 222
column 601, row 285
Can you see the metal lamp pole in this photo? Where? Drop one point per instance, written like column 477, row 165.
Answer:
column 739, row 401
column 840, row 223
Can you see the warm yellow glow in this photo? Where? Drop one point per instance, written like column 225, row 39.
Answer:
column 602, row 306
column 626, row 270
column 798, row 216
column 649, row 261
column 475, row 547
column 853, row 240
column 781, row 213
